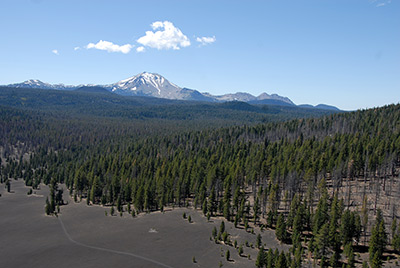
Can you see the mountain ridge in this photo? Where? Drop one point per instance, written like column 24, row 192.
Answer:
column 155, row 85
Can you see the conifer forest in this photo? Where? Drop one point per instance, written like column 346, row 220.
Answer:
column 327, row 183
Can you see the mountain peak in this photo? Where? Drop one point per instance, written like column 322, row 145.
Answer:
column 146, row 84
column 263, row 96
column 33, row 82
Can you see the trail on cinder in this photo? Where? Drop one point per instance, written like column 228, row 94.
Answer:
column 109, row 250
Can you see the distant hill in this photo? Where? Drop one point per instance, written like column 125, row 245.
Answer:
column 320, row 106
column 97, row 101
column 327, row 107
column 93, row 89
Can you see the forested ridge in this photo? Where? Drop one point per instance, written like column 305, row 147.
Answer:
column 109, row 105
column 328, row 186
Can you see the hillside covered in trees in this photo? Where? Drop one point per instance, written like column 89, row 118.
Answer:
column 328, row 185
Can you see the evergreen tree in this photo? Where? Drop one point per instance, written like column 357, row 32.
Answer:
column 204, row 207
column 321, row 214
column 322, row 240
column 228, row 255
column 47, row 208
column 240, row 250
column 211, row 206
column 112, row 211
column 119, row 204
column 258, row 241
column 222, row 227
column 281, row 233
column 227, row 200
column 297, row 260
column 270, row 263
column 260, row 258
column 347, row 227
column 334, row 260
column 378, row 239
column 349, row 252
column 376, row 260
column 214, row 232
column 282, row 262
column 270, row 218
column 8, row 186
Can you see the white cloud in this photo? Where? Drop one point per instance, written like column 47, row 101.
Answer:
column 206, row 40
column 55, row 51
column 110, row 47
column 76, row 48
column 167, row 37
column 140, row 49
column 157, row 24
column 380, row 3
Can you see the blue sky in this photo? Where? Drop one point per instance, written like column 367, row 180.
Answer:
column 340, row 52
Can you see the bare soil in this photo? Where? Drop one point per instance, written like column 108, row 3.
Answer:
column 83, row 236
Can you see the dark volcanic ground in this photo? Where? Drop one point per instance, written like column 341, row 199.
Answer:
column 82, row 236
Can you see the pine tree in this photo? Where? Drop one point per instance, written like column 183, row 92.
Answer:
column 376, row 261
column 225, row 236
column 270, row 218
column 270, row 263
column 281, row 233
column 321, row 214
column 258, row 241
column 322, row 240
column 260, row 258
column 333, row 220
column 222, row 227
column 211, row 206
column 119, row 204
column 204, row 207
column 240, row 250
column 334, row 260
column 112, row 210
column 47, row 208
column 8, row 186
column 227, row 200
column 228, row 255
column 346, row 227
column 298, row 257
column 282, row 262
column 349, row 252
column 378, row 239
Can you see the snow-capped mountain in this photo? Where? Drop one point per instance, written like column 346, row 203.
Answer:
column 246, row 97
column 155, row 85
column 34, row 83
column 147, row 84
